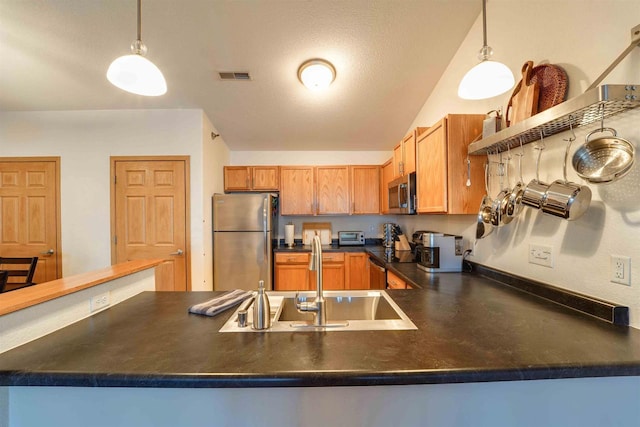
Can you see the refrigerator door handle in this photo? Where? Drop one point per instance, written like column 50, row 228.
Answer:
column 265, row 212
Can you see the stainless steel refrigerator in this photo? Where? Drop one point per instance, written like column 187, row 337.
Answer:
column 245, row 227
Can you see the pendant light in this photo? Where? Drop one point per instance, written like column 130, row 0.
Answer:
column 488, row 78
column 135, row 73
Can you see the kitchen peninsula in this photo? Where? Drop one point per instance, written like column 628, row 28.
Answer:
column 483, row 352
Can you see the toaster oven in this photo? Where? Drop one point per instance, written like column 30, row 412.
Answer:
column 350, row 238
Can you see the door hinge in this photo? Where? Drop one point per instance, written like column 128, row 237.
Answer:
column 115, row 179
column 115, row 240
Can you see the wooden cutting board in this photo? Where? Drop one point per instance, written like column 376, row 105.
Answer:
column 524, row 100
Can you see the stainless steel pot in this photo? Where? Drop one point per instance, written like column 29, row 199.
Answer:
column 566, row 200
column 484, row 226
column 535, row 191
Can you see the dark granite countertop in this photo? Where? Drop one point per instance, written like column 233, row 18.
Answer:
column 470, row 329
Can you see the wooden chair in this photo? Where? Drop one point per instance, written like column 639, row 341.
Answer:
column 3, row 280
column 20, row 271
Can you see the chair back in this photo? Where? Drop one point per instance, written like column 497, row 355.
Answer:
column 3, row 280
column 20, row 271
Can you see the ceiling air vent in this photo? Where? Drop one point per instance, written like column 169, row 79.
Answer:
column 234, row 75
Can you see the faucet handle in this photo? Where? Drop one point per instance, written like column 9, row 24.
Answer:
column 297, row 301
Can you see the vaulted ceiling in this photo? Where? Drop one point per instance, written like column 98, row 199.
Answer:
column 389, row 55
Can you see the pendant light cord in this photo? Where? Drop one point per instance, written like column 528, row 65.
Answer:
column 140, row 21
column 484, row 22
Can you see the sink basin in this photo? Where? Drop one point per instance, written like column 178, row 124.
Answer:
column 356, row 310
column 361, row 307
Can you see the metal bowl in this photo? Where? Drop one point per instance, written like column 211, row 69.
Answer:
column 603, row 159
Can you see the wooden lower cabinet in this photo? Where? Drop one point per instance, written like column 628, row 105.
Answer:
column 356, row 271
column 332, row 272
column 292, row 272
column 340, row 270
column 394, row 282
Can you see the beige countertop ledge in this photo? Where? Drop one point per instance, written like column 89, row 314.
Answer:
column 26, row 297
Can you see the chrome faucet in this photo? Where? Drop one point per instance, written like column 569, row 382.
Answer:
column 317, row 307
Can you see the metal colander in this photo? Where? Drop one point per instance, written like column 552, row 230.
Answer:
column 603, row 159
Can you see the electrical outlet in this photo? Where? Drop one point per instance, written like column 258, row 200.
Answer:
column 541, row 255
column 620, row 270
column 372, row 228
column 100, row 301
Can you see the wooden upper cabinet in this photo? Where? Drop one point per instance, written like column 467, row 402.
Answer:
column 365, row 190
column 441, row 177
column 265, row 178
column 398, row 161
column 251, row 178
column 237, row 178
column 404, row 154
column 297, row 194
column 386, row 176
column 332, row 190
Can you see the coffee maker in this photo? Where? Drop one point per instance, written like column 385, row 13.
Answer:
column 438, row 252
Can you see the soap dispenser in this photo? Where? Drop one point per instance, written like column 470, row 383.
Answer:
column 261, row 309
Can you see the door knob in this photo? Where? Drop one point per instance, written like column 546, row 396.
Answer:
column 47, row 253
column 178, row 252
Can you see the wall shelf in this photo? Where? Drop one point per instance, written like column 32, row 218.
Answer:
column 581, row 110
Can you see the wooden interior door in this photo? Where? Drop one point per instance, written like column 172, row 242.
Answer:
column 149, row 216
column 30, row 213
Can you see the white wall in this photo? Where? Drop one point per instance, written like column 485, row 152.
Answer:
column 583, row 37
column 85, row 140
column 215, row 154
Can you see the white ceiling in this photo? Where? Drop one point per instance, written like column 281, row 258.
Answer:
column 389, row 54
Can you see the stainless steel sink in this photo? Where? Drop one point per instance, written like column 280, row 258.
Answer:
column 354, row 310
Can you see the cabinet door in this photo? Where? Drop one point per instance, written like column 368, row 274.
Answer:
column 398, row 164
column 266, row 178
column 332, row 271
column 237, row 178
column 431, row 177
column 365, row 190
column 461, row 130
column 394, row 282
column 386, row 176
column 356, row 271
column 291, row 277
column 332, row 190
column 409, row 153
column 296, row 190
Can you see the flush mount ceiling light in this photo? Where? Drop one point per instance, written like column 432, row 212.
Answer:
column 135, row 73
column 488, row 78
column 316, row 74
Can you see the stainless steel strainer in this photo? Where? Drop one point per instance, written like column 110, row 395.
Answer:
column 604, row 159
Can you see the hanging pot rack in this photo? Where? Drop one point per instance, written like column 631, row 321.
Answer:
column 596, row 103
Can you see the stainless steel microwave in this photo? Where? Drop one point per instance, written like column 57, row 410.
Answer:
column 402, row 195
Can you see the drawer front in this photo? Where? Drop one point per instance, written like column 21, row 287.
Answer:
column 297, row 258
column 333, row 256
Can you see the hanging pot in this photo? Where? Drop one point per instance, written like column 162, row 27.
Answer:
column 604, row 159
column 484, row 226
column 566, row 199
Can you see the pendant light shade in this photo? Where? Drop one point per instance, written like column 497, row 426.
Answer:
column 136, row 74
column 488, row 78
